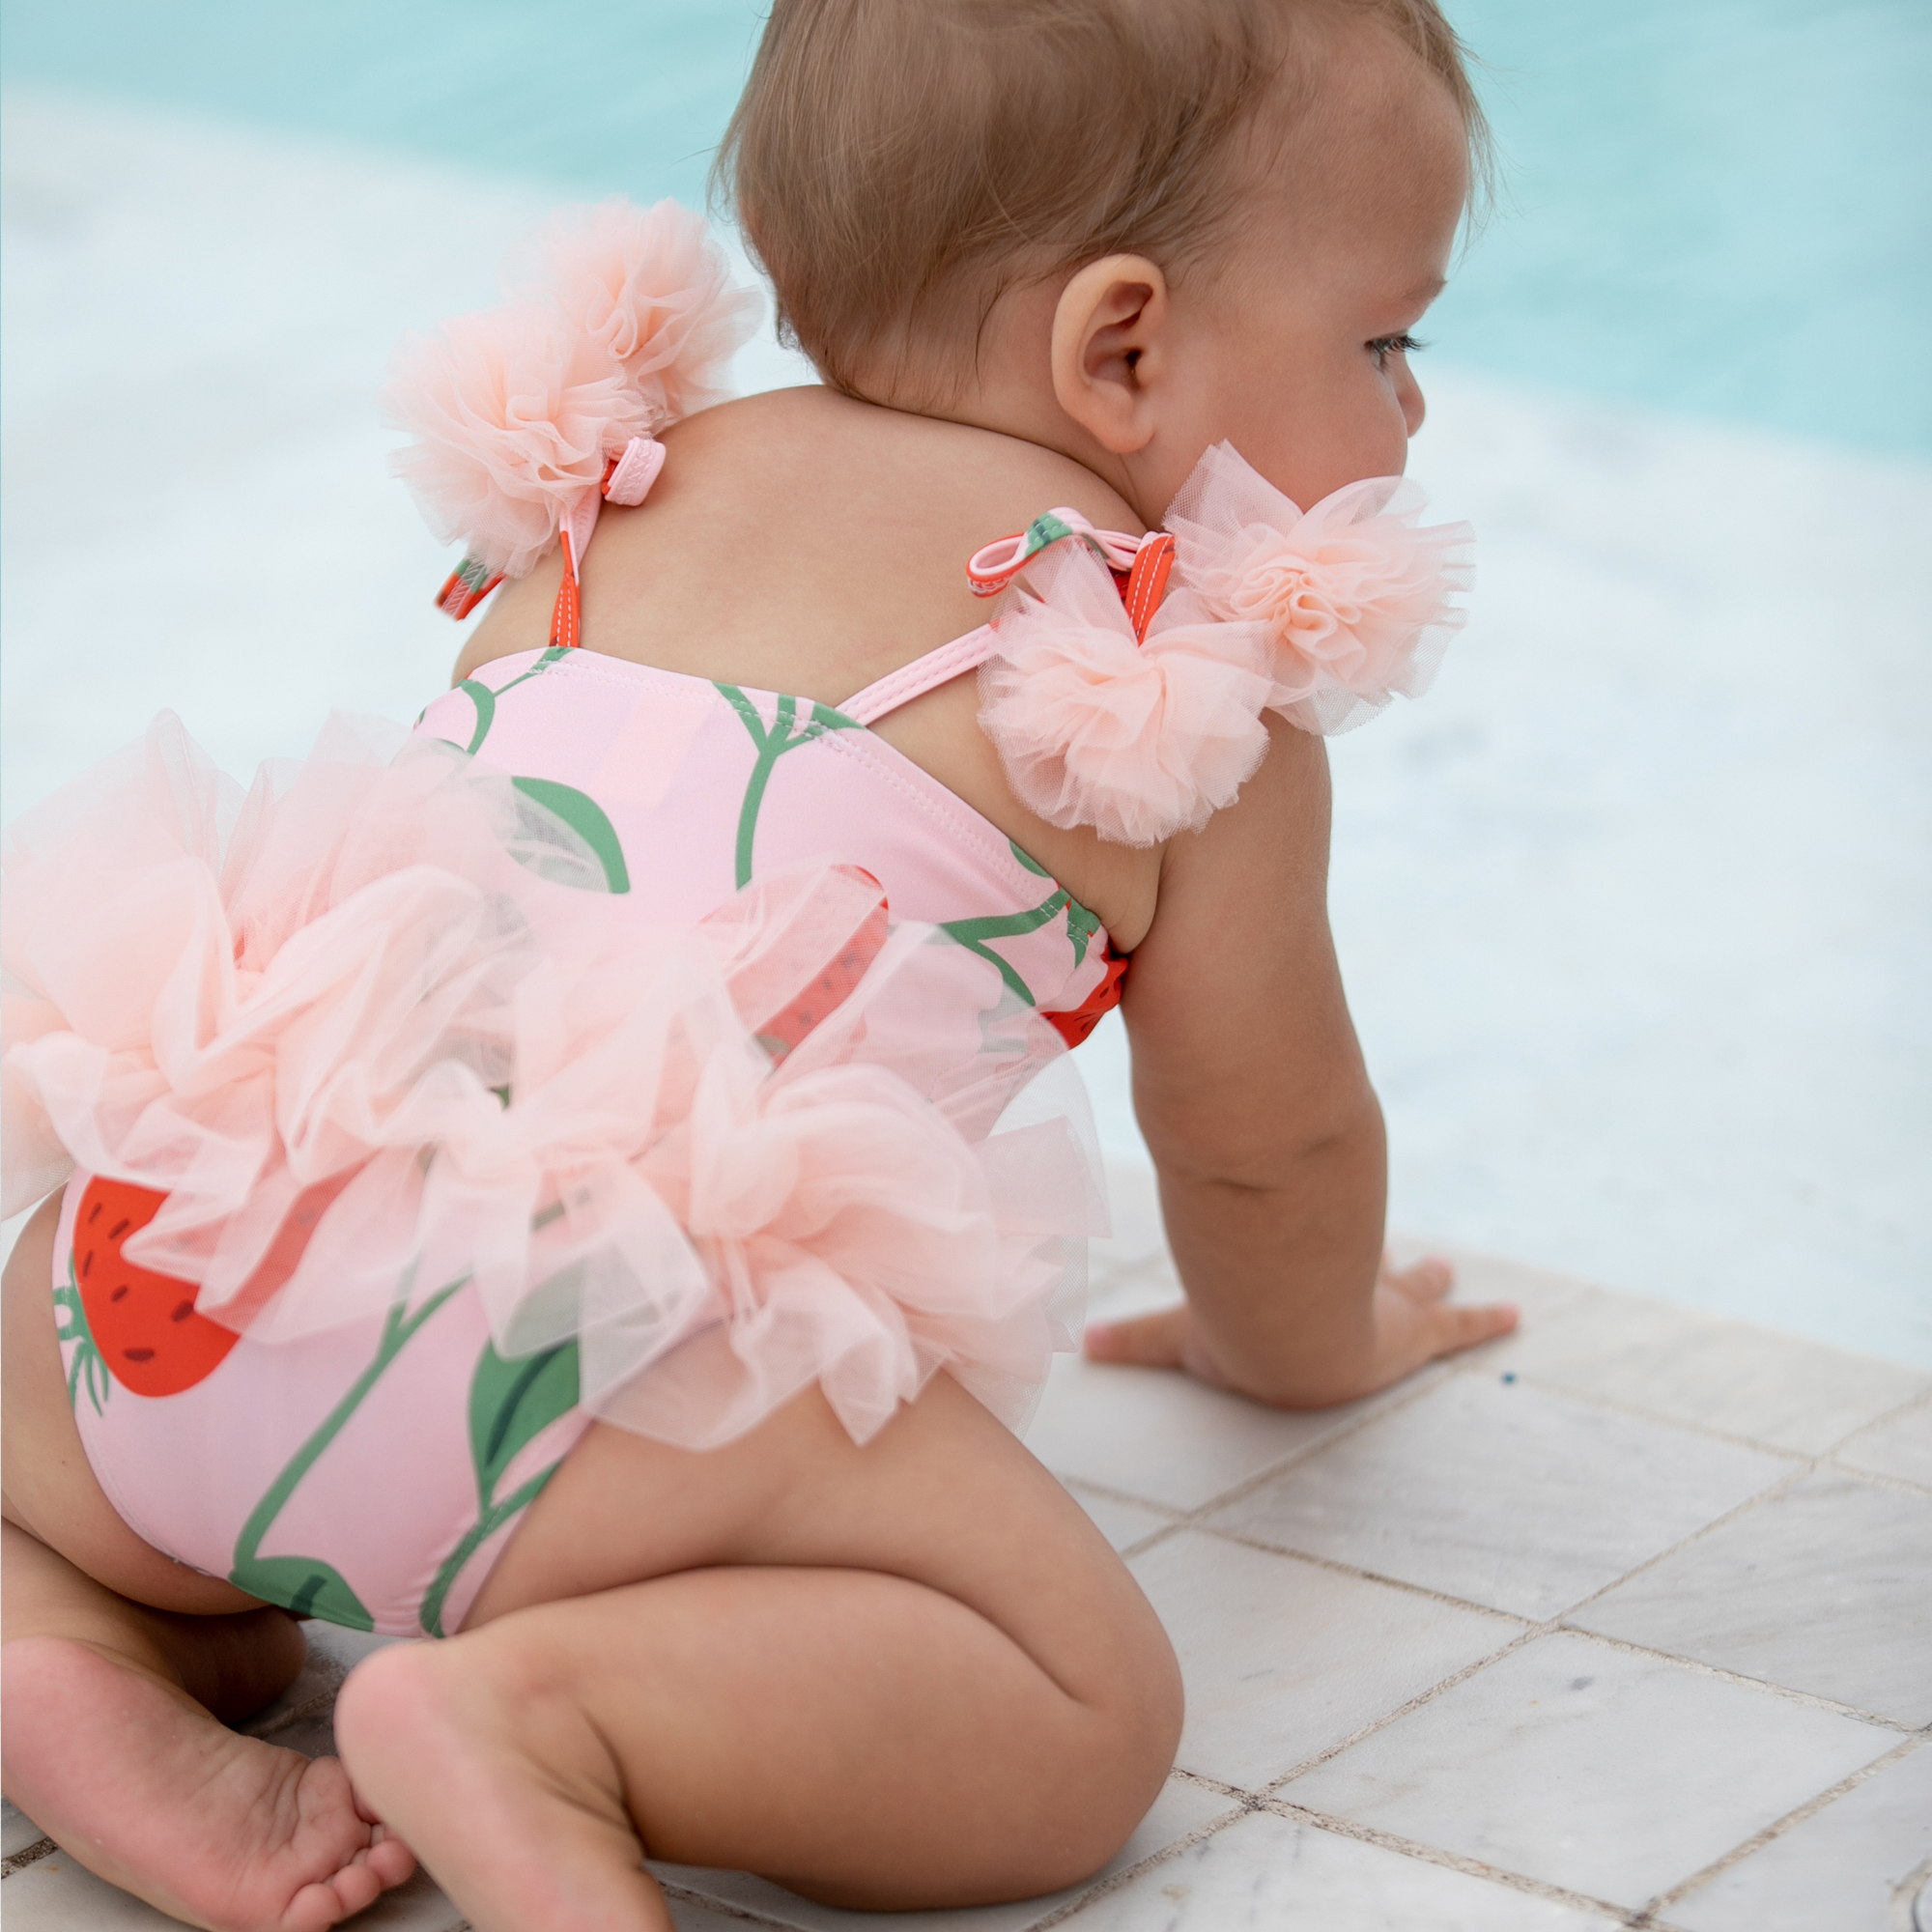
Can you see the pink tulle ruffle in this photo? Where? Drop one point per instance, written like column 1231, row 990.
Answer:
column 371, row 1033
column 1354, row 593
column 1140, row 741
column 621, row 327
column 653, row 289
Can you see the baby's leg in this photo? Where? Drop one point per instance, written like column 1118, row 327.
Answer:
column 112, row 1748
column 112, row 1743
column 909, row 1676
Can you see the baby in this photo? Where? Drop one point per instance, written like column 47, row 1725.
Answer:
column 595, row 1182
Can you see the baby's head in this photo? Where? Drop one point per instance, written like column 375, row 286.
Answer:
column 1124, row 229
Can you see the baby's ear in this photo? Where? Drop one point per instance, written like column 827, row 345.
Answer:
column 1111, row 349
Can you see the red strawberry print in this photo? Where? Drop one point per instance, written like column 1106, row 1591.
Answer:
column 784, row 1030
column 144, row 1323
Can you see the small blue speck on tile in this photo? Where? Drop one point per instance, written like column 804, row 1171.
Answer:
column 1509, row 1374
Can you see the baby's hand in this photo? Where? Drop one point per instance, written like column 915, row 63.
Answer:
column 1414, row 1323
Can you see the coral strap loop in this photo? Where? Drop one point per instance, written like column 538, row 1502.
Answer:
column 465, row 587
column 989, row 570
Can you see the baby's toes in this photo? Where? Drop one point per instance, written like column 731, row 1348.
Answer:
column 328, row 1902
column 389, row 1859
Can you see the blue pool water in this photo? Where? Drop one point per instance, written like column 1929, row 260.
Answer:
column 1722, row 206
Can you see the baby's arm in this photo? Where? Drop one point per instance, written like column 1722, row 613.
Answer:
column 1252, row 1094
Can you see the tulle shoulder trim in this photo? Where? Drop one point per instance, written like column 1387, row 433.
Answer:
column 619, row 322
column 1320, row 616
column 1354, row 594
column 1139, row 740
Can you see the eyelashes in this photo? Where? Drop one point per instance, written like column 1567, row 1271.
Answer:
column 1386, row 345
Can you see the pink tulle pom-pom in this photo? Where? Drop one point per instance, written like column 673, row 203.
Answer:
column 1355, row 594
column 655, row 289
column 621, row 328
column 514, row 416
column 1139, row 741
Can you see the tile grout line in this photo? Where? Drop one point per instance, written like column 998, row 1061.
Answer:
column 1776, row 1829
column 1923, row 1399
column 27, row 1854
column 1117, row 1880
column 1270, row 1792
column 1811, row 1699
column 1458, row 1861
column 1237, row 1492
column 1304, row 1766
column 1336, row 1565
column 1771, row 1493
column 1878, row 1478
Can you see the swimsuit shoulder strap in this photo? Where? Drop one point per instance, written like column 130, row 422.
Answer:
column 901, row 687
column 1139, row 566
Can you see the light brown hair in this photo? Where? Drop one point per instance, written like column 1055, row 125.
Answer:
column 898, row 164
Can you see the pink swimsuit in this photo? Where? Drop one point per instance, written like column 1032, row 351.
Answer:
column 618, row 1046
column 370, row 1473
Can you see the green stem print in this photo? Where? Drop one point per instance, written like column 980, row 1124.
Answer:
column 511, row 1401
column 484, row 699
column 773, row 742
column 305, row 1585
column 973, row 933
column 70, row 1326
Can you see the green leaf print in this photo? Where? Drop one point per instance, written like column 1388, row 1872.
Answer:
column 511, row 1403
column 1026, row 860
column 773, row 744
column 307, row 1580
column 566, row 836
column 70, row 1326
column 309, row 1587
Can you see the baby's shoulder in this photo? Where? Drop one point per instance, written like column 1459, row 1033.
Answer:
column 800, row 539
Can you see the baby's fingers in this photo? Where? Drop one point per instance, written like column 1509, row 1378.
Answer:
column 1454, row 1327
column 1154, row 1341
column 1428, row 1280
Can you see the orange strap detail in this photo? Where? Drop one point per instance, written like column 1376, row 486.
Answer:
column 566, row 619
column 1146, row 582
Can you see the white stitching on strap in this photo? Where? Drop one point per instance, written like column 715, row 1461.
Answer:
column 913, row 680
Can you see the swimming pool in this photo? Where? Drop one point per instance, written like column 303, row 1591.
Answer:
column 1714, row 206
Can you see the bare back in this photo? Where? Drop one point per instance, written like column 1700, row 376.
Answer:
column 803, row 542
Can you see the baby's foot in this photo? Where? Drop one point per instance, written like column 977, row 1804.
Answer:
column 504, row 1787
column 141, row 1784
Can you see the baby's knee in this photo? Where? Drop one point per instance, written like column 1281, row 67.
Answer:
column 1128, row 1738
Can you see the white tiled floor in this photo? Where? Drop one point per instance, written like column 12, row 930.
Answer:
column 1624, row 1622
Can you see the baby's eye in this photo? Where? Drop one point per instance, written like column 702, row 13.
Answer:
column 1386, row 345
